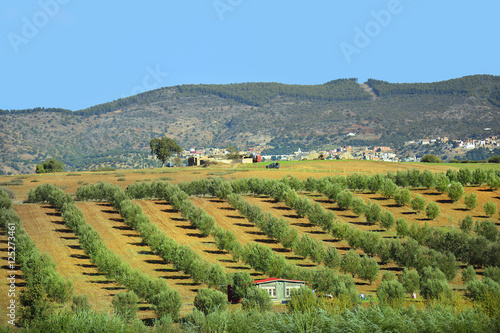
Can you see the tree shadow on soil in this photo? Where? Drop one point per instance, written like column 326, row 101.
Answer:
column 235, row 217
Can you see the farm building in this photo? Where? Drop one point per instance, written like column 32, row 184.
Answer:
column 279, row 289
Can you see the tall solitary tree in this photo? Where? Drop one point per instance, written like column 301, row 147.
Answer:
column 164, row 148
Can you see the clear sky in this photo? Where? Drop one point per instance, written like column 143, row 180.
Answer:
column 74, row 54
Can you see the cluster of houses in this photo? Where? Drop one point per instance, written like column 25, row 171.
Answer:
column 489, row 142
column 200, row 156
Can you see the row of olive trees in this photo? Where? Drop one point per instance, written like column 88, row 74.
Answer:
column 165, row 300
column 43, row 283
column 181, row 256
column 370, row 242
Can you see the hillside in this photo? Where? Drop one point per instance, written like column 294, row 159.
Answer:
column 280, row 117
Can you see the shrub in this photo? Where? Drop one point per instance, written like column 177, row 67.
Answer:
column 402, row 227
column 350, row 262
column 257, row 298
column 468, row 274
column 387, row 220
column 489, row 208
column 479, row 176
column 493, row 273
column 432, row 211
column 427, row 179
column 125, row 304
column 442, row 182
column 487, row 229
column 410, row 279
column 167, row 302
column 431, row 159
column 464, row 176
column 332, row 257
column 403, row 197
column 373, row 213
column 80, row 303
column 470, row 201
column 368, row 269
column 344, row 199
column 391, row 293
column 358, row 206
column 209, row 300
column 302, row 300
column 242, row 281
column 466, row 224
column 455, row 191
column 388, row 188
column 418, row 203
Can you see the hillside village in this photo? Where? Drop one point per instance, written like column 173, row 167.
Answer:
column 199, row 156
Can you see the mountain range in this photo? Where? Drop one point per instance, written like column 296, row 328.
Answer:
column 272, row 117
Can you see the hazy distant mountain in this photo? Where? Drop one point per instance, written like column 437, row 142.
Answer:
column 280, row 117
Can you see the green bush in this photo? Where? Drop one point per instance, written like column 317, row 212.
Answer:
column 358, row 206
column 391, row 293
column 209, row 300
column 470, row 201
column 350, row 262
column 373, row 213
column 368, row 269
column 167, row 302
column 402, row 197
column 302, row 300
column 410, row 279
column 468, row 274
column 487, row 229
column 489, row 208
column 418, row 203
column 466, row 224
column 432, row 211
column 431, row 159
column 387, row 220
column 402, row 227
column 258, row 299
column 80, row 303
column 125, row 305
column 455, row 191
column 344, row 199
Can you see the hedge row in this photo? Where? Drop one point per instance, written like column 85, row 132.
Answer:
column 154, row 291
column 181, row 256
column 43, row 283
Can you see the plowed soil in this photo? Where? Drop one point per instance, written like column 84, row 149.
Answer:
column 46, row 227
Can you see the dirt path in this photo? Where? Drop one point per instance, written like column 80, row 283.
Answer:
column 171, row 222
column 46, row 227
column 127, row 244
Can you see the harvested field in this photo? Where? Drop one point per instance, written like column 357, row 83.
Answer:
column 46, row 227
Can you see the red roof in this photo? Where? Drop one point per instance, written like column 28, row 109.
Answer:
column 276, row 279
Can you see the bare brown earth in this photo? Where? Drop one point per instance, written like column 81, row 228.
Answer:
column 171, row 222
column 46, row 227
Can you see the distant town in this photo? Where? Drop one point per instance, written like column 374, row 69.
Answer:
column 199, row 156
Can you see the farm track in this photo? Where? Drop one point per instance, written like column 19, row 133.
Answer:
column 46, row 227
column 4, row 283
column 245, row 231
column 171, row 222
column 127, row 244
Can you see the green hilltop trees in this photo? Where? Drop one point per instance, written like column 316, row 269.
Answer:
column 50, row 166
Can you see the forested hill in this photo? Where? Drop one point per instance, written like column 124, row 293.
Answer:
column 278, row 116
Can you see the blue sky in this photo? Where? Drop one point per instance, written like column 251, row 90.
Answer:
column 74, row 54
